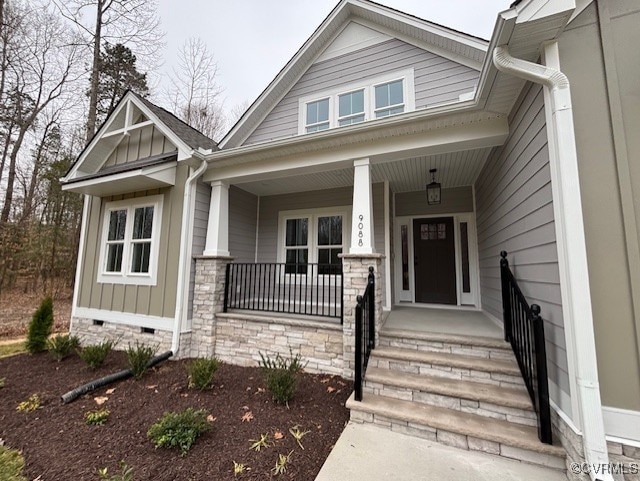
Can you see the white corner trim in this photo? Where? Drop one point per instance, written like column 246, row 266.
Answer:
column 622, row 423
column 80, row 259
column 126, row 318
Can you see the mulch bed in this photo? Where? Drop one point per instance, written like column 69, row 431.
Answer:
column 58, row 445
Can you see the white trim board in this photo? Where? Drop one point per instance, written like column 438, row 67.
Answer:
column 622, row 424
column 127, row 318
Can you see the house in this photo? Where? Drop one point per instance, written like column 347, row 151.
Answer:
column 263, row 242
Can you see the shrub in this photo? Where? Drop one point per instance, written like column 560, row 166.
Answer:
column 31, row 404
column 97, row 417
column 2, row 381
column 94, row 356
column 11, row 465
column 281, row 375
column 138, row 358
column 179, row 429
column 201, row 372
column 40, row 327
column 125, row 474
column 60, row 346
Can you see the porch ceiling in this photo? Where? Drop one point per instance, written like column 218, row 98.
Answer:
column 455, row 169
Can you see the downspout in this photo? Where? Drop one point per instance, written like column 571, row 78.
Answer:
column 183, row 263
column 580, row 319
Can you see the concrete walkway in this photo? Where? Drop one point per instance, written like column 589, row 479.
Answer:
column 373, row 453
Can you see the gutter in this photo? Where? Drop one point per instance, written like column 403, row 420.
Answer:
column 572, row 249
column 183, row 262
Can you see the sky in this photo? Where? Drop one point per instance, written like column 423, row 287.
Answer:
column 252, row 40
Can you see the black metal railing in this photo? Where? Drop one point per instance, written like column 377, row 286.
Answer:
column 365, row 332
column 524, row 330
column 308, row 289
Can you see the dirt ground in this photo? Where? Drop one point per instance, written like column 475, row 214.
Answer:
column 17, row 307
column 58, row 445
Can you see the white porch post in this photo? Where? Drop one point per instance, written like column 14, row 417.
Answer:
column 217, row 243
column 362, row 218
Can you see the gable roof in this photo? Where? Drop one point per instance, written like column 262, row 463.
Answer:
column 186, row 138
column 442, row 40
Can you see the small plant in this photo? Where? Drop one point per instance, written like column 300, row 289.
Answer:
column 11, row 464
column 138, row 358
column 258, row 444
column 201, row 372
column 2, row 381
column 125, row 474
column 97, row 417
column 298, row 435
column 94, row 356
column 238, row 468
column 30, row 404
column 61, row 346
column 40, row 327
column 281, row 464
column 281, row 375
column 179, row 429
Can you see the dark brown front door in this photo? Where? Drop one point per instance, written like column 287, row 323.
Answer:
column 434, row 260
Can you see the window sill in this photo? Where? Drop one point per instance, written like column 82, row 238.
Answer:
column 127, row 280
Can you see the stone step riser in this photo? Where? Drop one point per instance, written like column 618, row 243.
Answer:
column 419, row 367
column 457, row 440
column 482, row 408
column 448, row 347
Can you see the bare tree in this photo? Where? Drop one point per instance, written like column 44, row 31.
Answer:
column 194, row 95
column 134, row 23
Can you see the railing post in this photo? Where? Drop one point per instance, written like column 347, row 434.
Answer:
column 544, row 410
column 371, row 282
column 506, row 296
column 226, row 288
column 358, row 353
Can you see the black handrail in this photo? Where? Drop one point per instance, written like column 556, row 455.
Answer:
column 307, row 289
column 365, row 331
column 524, row 330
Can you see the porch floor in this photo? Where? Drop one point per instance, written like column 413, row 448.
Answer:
column 444, row 321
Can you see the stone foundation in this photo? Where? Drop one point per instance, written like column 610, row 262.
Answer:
column 91, row 334
column 619, row 454
column 241, row 337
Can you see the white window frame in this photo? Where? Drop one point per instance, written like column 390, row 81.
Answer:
column 408, row 90
column 306, row 126
column 374, row 109
column 125, row 276
column 312, row 234
column 365, row 102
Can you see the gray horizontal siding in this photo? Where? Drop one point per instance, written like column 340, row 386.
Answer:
column 272, row 205
column 200, row 220
column 243, row 210
column 515, row 213
column 454, row 200
column 437, row 80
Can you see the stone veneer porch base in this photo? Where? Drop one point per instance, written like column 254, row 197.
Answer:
column 91, row 334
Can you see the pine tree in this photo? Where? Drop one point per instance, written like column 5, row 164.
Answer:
column 40, row 327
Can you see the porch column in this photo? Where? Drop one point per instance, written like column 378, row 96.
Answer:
column 217, row 243
column 362, row 218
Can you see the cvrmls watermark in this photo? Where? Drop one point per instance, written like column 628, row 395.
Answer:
column 611, row 468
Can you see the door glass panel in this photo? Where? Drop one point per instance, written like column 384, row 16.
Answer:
column 464, row 257
column 404, row 234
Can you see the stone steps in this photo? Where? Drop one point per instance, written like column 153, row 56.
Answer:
column 487, row 347
column 459, row 429
column 505, row 403
column 499, row 372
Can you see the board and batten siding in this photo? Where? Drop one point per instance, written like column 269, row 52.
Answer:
column 200, row 220
column 139, row 144
column 454, row 200
column 437, row 80
column 158, row 300
column 272, row 205
column 243, row 213
column 515, row 213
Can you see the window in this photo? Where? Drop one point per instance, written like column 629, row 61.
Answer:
column 345, row 105
column 389, row 99
column 315, row 237
column 351, row 108
column 130, row 241
column 317, row 115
